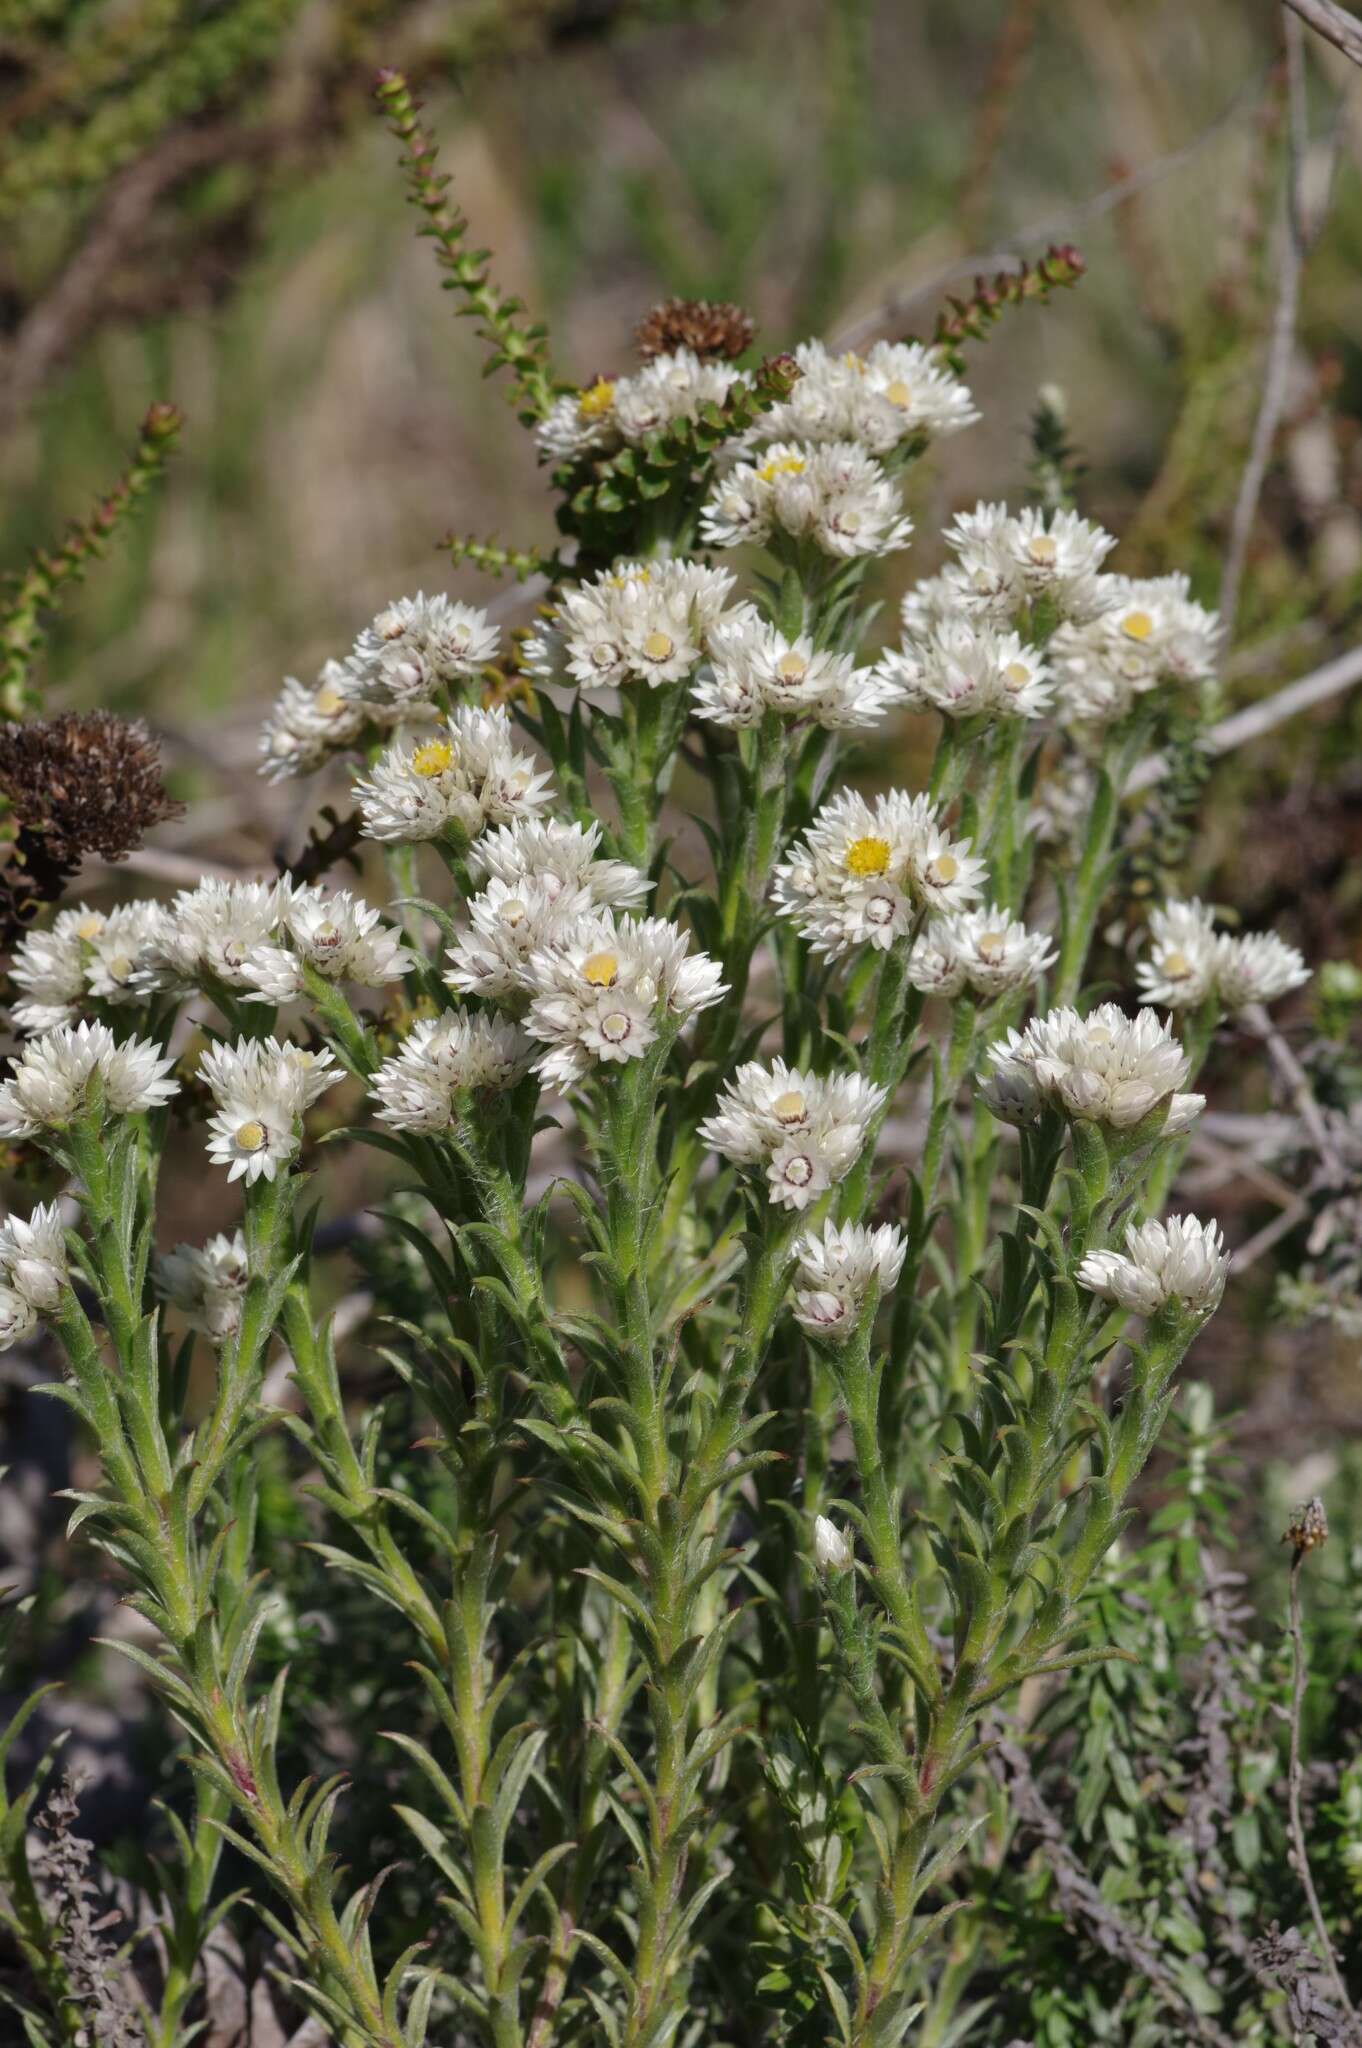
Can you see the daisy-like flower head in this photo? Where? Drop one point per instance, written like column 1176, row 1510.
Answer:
column 753, row 668
column 1013, row 558
column 602, row 990
column 49, row 1085
column 262, row 1089
column 579, row 423
column 560, row 856
column 864, row 871
column 469, row 774
column 209, row 935
column 33, row 1257
column 49, row 966
column 834, row 494
column 840, row 1268
column 807, row 1131
column 831, row 1549
column 638, row 622
column 895, row 393
column 1143, row 632
column 207, row 1283
column 1189, row 960
column 310, row 723
column 965, row 668
column 985, row 951
column 415, row 647
column 442, row 1059
column 1106, row 1068
column 17, row 1319
column 119, row 954
column 332, row 932
column 675, row 386
column 511, row 922
column 1179, row 1261
column 1256, row 968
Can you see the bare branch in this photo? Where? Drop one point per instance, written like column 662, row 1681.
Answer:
column 1332, row 22
column 1256, row 719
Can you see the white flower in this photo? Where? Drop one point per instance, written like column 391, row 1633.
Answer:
column 1189, row 961
column 965, row 668
column 753, row 669
column 637, row 622
column 469, row 775
column 603, row 989
column 900, row 390
column 835, row 495
column 839, row 1268
column 985, row 950
column 955, row 593
column 333, row 933
column 864, row 871
column 1144, row 632
column 579, row 423
column 1179, row 1260
column 209, row 935
column 511, row 921
column 550, row 851
column 17, row 1319
column 671, row 387
column 807, row 1131
column 49, row 966
column 442, row 1058
column 832, row 1551
column 1106, row 1068
column 1014, row 558
column 262, row 1089
column 207, row 1283
column 33, row 1257
column 308, row 724
column 49, row 1084
column 415, row 647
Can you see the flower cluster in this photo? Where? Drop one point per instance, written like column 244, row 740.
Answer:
column 865, row 872
column 1141, row 633
column 33, row 1270
column 67, row 1072
column 833, row 494
column 207, row 1283
column 84, row 956
column 262, row 1089
column 753, row 668
column 984, row 951
column 1189, row 961
column 1105, row 1068
column 807, row 1131
column 967, row 668
column 673, row 387
column 898, row 391
column 309, row 723
column 331, row 933
column 640, row 622
column 468, row 775
column 561, row 856
column 443, row 1059
column 841, row 1270
column 604, row 989
column 1179, row 1261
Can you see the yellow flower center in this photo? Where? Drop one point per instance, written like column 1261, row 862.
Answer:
column 90, row 927
column 1016, row 675
column 432, row 759
column 789, row 1108
column 851, row 361
column 512, row 910
column 602, row 970
column 781, row 465
column 659, row 647
column 792, row 667
column 898, row 393
column 1137, row 625
column 944, row 868
column 596, row 401
column 1043, row 550
column 1176, row 964
column 991, row 946
column 251, row 1135
column 328, row 701
column 868, row 856
column 120, row 967
column 615, row 1027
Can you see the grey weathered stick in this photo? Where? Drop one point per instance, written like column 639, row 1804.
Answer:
column 1254, row 720
column 1333, row 22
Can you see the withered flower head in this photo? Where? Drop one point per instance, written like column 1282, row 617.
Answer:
column 1308, row 1528
column 709, row 328
column 85, row 782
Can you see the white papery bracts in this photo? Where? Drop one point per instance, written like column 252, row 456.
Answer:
column 510, row 922
column 1106, row 1068
column 640, row 622
column 841, row 1269
column 415, row 648
column 209, row 936
column 334, row 934
column 864, row 872
column 469, row 774
column 806, row 1131
column 602, row 992
column 898, row 391
column 967, row 668
column 1189, row 961
column 753, row 668
column 52, row 1082
column 206, row 1283
column 671, row 388
column 310, row 723
column 985, row 951
column 831, row 1548
column 1177, row 1261
column 444, row 1060
column 33, row 1270
column 1141, row 633
column 85, row 955
column 262, row 1089
column 560, row 856
column 834, row 495
column 1008, row 562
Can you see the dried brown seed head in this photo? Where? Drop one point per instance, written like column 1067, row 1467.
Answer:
column 709, row 328
column 1308, row 1528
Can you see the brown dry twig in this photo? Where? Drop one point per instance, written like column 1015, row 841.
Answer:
column 1332, row 22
